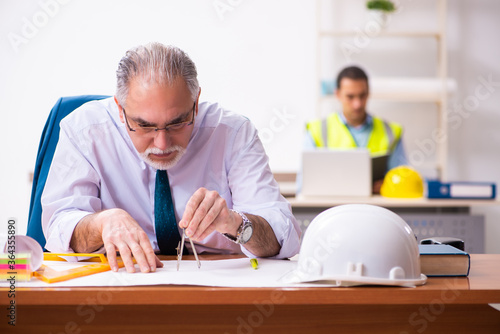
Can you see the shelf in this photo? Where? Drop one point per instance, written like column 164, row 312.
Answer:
column 381, row 33
column 327, row 202
column 407, row 89
column 436, row 89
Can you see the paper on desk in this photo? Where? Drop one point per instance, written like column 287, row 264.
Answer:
column 221, row 273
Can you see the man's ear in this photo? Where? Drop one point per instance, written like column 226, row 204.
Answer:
column 198, row 100
column 120, row 109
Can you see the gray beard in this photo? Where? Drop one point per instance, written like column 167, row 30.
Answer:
column 162, row 165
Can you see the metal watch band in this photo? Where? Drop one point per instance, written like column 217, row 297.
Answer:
column 238, row 238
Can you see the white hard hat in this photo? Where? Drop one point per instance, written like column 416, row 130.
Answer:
column 358, row 244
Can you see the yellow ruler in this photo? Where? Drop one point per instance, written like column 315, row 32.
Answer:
column 49, row 275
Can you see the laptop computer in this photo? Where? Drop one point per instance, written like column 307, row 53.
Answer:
column 337, row 173
column 379, row 166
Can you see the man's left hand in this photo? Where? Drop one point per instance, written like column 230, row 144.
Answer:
column 207, row 211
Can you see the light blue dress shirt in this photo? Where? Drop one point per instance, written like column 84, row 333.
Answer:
column 96, row 167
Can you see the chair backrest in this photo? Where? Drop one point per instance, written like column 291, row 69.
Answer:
column 48, row 142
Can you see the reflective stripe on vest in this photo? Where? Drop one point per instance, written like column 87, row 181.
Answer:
column 334, row 132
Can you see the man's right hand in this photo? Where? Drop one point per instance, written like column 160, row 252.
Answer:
column 118, row 231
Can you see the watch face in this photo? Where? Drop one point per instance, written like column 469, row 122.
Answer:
column 247, row 233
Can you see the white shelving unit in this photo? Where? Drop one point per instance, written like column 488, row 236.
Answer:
column 412, row 89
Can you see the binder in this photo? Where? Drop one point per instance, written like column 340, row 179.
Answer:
column 461, row 190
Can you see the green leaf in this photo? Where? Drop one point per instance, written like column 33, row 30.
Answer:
column 384, row 5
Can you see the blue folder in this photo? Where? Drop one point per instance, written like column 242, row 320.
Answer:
column 461, row 190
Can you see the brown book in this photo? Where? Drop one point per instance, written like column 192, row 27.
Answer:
column 443, row 260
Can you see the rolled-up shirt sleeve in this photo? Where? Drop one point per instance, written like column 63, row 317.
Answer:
column 255, row 191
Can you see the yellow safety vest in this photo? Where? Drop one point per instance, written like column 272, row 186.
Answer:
column 334, row 132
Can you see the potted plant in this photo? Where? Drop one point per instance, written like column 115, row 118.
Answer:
column 381, row 9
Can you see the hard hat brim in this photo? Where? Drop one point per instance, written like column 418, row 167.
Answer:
column 297, row 276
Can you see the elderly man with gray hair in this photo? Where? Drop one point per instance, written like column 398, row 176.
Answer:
column 152, row 162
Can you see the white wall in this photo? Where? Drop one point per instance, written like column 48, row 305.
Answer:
column 255, row 57
column 474, row 54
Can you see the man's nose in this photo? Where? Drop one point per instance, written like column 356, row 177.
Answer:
column 357, row 103
column 162, row 139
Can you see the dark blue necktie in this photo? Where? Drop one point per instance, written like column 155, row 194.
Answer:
column 167, row 233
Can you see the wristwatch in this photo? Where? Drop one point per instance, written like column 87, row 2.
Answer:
column 244, row 232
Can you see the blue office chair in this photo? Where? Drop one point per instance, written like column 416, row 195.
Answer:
column 46, row 148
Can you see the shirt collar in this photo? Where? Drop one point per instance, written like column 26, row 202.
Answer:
column 368, row 122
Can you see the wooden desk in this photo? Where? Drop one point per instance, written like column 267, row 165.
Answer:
column 443, row 305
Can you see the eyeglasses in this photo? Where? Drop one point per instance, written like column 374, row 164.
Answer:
column 175, row 128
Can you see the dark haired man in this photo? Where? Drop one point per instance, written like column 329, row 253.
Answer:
column 354, row 127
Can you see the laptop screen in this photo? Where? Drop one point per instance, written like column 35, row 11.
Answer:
column 336, row 173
